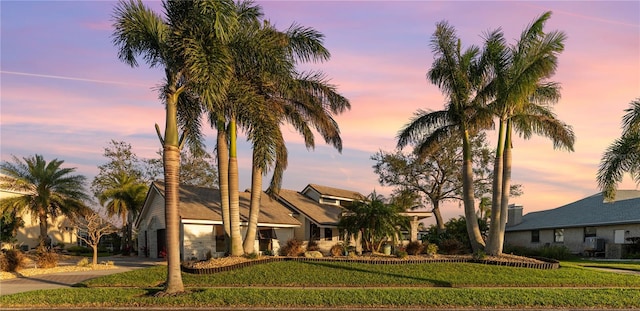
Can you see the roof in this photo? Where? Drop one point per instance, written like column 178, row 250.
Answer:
column 323, row 214
column 335, row 192
column 200, row 203
column 590, row 211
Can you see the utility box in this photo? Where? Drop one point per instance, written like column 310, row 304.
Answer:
column 594, row 244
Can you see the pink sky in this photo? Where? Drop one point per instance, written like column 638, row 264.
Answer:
column 64, row 93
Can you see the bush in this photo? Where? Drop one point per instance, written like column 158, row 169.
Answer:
column 292, row 248
column 451, row 247
column 431, row 249
column 558, row 252
column 337, row 249
column 253, row 255
column 84, row 262
column 13, row 260
column 479, row 255
column 46, row 258
column 402, row 254
column 414, row 248
column 77, row 250
column 313, row 246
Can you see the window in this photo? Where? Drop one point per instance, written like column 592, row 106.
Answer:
column 329, row 201
column 589, row 232
column 535, row 236
column 328, row 234
column 314, row 232
column 558, row 235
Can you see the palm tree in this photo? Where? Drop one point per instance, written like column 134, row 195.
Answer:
column 522, row 103
column 622, row 155
column 50, row 190
column 124, row 196
column 461, row 76
column 189, row 44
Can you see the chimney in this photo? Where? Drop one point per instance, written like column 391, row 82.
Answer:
column 514, row 215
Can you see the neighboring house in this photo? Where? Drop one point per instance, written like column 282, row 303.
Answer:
column 201, row 232
column 588, row 226
column 60, row 229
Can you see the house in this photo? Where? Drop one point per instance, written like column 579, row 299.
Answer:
column 588, row 226
column 201, row 232
column 60, row 229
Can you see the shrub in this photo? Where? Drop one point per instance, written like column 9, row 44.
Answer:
column 337, row 249
column 402, row 254
column 267, row 252
column 558, row 252
column 292, row 248
column 84, row 262
column 253, row 255
column 431, row 249
column 451, row 247
column 414, row 248
column 479, row 255
column 77, row 250
column 313, row 246
column 13, row 260
column 46, row 258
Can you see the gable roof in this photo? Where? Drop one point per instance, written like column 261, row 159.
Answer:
column 335, row 192
column 322, row 214
column 590, row 211
column 200, row 203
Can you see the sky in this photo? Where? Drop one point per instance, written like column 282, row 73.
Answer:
column 64, row 94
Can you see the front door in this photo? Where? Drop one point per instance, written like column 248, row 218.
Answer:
column 162, row 243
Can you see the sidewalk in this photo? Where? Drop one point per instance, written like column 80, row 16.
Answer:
column 67, row 279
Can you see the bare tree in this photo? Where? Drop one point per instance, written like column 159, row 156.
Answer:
column 95, row 228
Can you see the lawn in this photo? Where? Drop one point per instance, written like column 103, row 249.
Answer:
column 340, row 284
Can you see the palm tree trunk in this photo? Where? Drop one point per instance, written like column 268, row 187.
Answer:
column 496, row 203
column 477, row 243
column 506, row 186
column 223, row 180
column 171, row 157
column 42, row 217
column 234, row 199
column 254, row 211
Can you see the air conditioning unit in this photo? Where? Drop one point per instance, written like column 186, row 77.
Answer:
column 594, row 244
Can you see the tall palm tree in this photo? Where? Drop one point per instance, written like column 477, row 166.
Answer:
column 49, row 190
column 622, row 155
column 124, row 196
column 461, row 76
column 189, row 44
column 523, row 100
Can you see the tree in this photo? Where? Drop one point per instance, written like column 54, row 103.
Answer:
column 522, row 103
column 49, row 190
column 195, row 169
column 95, row 228
column 434, row 176
column 461, row 75
column 124, row 196
column 121, row 160
column 622, row 155
column 189, row 44
column 374, row 220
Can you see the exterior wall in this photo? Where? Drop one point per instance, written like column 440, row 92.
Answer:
column 149, row 226
column 198, row 241
column 573, row 237
column 284, row 235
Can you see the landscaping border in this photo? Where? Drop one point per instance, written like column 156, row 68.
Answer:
column 547, row 264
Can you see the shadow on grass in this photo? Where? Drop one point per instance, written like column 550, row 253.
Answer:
column 432, row 282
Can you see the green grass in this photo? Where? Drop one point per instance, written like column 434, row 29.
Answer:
column 351, row 285
column 341, row 274
column 274, row 298
column 624, row 265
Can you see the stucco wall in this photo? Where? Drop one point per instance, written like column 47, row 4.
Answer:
column 199, row 239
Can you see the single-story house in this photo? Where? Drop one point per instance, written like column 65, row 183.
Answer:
column 588, row 226
column 201, row 229
column 60, row 229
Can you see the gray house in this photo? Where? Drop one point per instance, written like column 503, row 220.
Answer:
column 589, row 226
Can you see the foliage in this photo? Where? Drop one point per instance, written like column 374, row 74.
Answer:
column 253, row 255
column 431, row 249
column 454, row 240
column 338, row 249
column 292, row 248
column 401, row 254
column 621, row 156
column 77, row 249
column 12, row 260
column 10, row 223
column 84, row 262
column 47, row 189
column 196, row 169
column 46, row 258
column 558, row 252
column 313, row 246
column 121, row 161
column 479, row 255
column 452, row 246
column 414, row 248
column 374, row 220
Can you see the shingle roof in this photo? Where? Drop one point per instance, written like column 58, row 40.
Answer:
column 335, row 192
column 590, row 211
column 324, row 214
column 199, row 203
